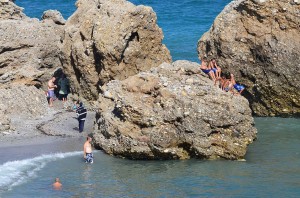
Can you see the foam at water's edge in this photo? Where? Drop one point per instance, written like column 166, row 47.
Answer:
column 17, row 172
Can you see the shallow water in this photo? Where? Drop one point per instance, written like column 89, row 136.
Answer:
column 272, row 168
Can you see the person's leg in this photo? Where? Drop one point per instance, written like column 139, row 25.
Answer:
column 219, row 72
column 80, row 126
column 212, row 75
column 51, row 102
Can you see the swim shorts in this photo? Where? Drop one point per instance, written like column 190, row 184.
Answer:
column 89, row 158
column 51, row 94
column 214, row 70
column 206, row 71
column 239, row 87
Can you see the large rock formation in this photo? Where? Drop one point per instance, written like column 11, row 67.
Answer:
column 107, row 40
column 29, row 53
column 172, row 112
column 29, row 48
column 259, row 41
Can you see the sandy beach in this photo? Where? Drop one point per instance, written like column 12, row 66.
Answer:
column 55, row 132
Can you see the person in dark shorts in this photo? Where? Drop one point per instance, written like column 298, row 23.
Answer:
column 81, row 115
column 87, row 151
column 240, row 88
column 204, row 67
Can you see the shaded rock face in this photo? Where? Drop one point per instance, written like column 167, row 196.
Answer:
column 29, row 49
column 259, row 42
column 172, row 112
column 107, row 40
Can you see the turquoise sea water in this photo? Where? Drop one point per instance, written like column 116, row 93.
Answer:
column 182, row 21
column 271, row 169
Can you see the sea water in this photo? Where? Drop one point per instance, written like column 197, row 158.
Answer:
column 272, row 165
column 272, row 168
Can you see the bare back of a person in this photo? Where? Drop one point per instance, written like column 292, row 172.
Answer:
column 51, row 85
column 87, row 147
column 203, row 65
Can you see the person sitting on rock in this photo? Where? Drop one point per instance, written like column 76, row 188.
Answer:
column 206, row 69
column 224, row 83
column 213, row 66
column 240, row 88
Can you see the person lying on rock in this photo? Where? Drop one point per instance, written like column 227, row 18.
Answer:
column 240, row 88
column 206, row 69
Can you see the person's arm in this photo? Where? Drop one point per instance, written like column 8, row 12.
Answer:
column 84, row 151
column 51, row 85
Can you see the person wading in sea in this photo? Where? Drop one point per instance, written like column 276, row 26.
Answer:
column 57, row 185
column 87, row 151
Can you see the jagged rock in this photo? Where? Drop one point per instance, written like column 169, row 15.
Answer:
column 22, row 100
column 260, row 44
column 54, row 16
column 8, row 10
column 19, row 101
column 29, row 49
column 107, row 40
column 172, row 112
column 5, row 122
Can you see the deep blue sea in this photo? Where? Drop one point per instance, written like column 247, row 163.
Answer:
column 271, row 169
column 182, row 21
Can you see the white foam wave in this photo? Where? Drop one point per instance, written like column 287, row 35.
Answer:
column 17, row 172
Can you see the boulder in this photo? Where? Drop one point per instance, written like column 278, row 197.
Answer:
column 106, row 40
column 259, row 42
column 173, row 111
column 29, row 49
column 55, row 16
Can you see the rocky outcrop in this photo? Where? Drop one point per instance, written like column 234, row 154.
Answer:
column 8, row 10
column 172, row 112
column 259, row 42
column 26, row 102
column 55, row 16
column 107, row 40
column 29, row 53
column 29, row 49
